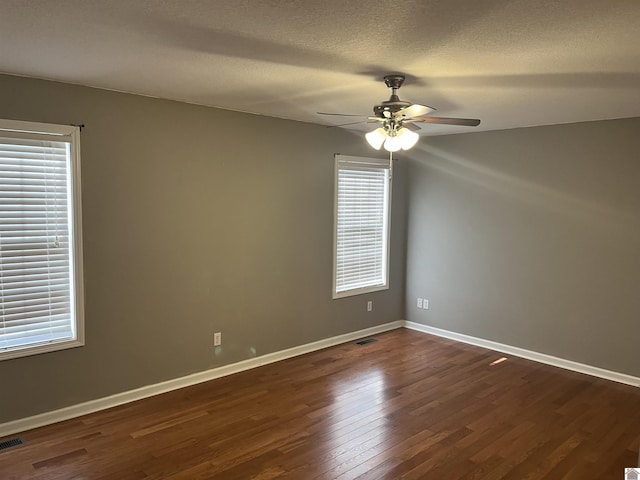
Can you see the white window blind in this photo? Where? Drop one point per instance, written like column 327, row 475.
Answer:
column 362, row 207
column 38, row 247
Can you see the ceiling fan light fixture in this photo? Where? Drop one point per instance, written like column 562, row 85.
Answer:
column 376, row 138
column 407, row 138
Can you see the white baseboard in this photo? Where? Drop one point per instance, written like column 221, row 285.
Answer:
column 92, row 406
column 528, row 354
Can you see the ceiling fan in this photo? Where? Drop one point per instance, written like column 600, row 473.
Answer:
column 397, row 120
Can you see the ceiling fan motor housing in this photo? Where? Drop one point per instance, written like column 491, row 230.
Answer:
column 393, row 105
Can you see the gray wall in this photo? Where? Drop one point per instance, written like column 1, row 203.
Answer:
column 195, row 220
column 531, row 237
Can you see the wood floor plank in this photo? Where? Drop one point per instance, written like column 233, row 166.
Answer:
column 409, row 406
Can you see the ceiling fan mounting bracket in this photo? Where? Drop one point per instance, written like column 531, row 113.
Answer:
column 394, row 81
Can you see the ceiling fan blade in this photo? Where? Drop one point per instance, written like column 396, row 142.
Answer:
column 466, row 122
column 350, row 123
column 414, row 110
column 341, row 114
column 411, row 126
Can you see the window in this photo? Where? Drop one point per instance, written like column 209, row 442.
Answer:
column 41, row 296
column 362, row 206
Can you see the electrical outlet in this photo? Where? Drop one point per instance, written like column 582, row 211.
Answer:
column 419, row 303
column 217, row 339
column 369, row 306
column 425, row 304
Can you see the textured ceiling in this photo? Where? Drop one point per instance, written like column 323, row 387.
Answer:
column 511, row 63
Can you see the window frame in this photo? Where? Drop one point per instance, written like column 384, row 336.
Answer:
column 374, row 163
column 70, row 134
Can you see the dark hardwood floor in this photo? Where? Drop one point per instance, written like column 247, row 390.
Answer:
column 409, row 406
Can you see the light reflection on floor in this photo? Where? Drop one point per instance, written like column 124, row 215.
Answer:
column 358, row 418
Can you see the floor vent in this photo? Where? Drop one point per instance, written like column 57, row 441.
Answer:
column 366, row 341
column 7, row 444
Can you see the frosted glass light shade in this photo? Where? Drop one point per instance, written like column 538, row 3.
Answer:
column 407, row 138
column 393, row 144
column 376, row 138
